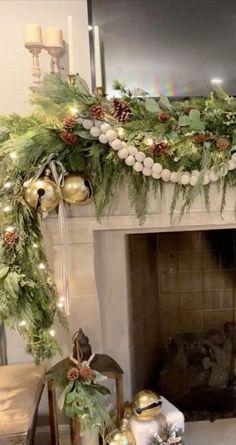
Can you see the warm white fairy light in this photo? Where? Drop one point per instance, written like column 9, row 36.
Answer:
column 35, row 245
column 7, row 208
column 13, row 155
column 216, row 81
column 121, row 132
column 52, row 332
column 41, row 266
column 9, row 228
column 74, row 110
column 60, row 305
column 22, row 323
column 148, row 141
column 7, row 185
column 62, row 299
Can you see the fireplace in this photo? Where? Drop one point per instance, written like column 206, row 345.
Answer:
column 182, row 319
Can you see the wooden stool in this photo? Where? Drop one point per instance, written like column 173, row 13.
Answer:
column 106, row 366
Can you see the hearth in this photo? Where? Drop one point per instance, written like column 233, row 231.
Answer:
column 182, row 319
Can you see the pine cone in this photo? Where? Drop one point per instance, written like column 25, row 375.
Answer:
column 11, row 237
column 97, row 112
column 160, row 148
column 164, row 117
column 73, row 374
column 200, row 138
column 222, row 143
column 69, row 138
column 85, row 372
column 69, row 123
column 120, row 110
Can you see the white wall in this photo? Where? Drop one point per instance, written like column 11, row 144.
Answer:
column 16, row 64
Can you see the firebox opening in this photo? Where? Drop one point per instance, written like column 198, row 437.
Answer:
column 182, row 319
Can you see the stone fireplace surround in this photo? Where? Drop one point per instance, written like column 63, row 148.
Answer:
column 97, row 258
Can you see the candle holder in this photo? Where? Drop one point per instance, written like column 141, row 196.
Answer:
column 72, row 79
column 35, row 49
column 55, row 52
column 100, row 91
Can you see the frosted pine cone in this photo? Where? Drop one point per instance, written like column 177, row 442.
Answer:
column 86, row 373
column 222, row 143
column 164, row 117
column 120, row 110
column 160, row 148
column 97, row 112
column 69, row 138
column 73, row 374
column 69, row 123
column 11, row 237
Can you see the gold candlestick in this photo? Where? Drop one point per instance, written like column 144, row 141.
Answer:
column 72, row 79
column 100, row 91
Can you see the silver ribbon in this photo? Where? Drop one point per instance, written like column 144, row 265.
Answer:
column 59, row 180
column 56, row 166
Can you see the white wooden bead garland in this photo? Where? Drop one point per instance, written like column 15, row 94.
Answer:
column 146, row 164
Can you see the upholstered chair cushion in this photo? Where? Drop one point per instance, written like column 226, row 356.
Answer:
column 20, row 388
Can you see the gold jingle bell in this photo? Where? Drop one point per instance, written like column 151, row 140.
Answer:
column 146, row 405
column 43, row 194
column 76, row 190
column 123, row 436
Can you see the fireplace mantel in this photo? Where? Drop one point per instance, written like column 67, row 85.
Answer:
column 99, row 282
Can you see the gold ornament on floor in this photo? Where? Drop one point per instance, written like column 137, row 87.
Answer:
column 76, row 190
column 123, row 436
column 147, row 405
column 43, row 194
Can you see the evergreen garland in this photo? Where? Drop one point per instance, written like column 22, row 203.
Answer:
column 185, row 135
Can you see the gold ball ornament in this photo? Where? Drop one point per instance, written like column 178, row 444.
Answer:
column 76, row 190
column 147, row 405
column 123, row 436
column 42, row 194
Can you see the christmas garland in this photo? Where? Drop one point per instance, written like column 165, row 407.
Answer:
column 133, row 140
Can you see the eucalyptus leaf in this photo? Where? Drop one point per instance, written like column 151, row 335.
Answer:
column 11, row 285
column 3, row 270
column 183, row 120
column 84, row 134
column 165, row 104
column 152, row 106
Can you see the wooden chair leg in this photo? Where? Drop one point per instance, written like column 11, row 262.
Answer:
column 119, row 397
column 53, row 416
column 75, row 431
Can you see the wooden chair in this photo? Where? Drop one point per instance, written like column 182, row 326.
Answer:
column 21, row 387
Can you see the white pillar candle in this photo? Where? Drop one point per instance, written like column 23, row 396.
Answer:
column 97, row 55
column 53, row 37
column 32, row 34
column 71, row 46
column 90, row 438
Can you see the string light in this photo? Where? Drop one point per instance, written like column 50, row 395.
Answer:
column 41, row 266
column 216, row 81
column 74, row 110
column 22, row 323
column 35, row 245
column 60, row 305
column 7, row 185
column 9, row 228
column 148, row 141
column 7, row 208
column 62, row 299
column 52, row 332
column 13, row 155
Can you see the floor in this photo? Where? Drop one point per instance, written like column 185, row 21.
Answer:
column 221, row 432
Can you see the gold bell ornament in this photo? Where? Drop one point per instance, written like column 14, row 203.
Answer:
column 146, row 405
column 76, row 190
column 123, row 436
column 42, row 194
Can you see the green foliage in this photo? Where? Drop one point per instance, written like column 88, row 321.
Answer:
column 28, row 299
